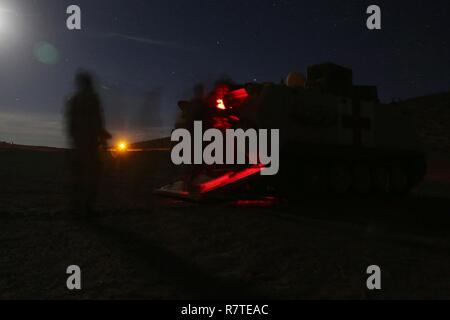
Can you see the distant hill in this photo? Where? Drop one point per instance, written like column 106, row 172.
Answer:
column 162, row 143
column 11, row 146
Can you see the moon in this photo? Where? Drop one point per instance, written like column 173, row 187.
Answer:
column 3, row 17
column 5, row 20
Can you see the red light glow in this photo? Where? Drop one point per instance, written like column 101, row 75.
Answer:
column 221, row 123
column 264, row 202
column 240, row 94
column 229, row 178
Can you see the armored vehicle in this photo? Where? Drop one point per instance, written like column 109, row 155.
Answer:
column 335, row 137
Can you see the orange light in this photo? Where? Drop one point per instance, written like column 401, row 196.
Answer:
column 122, row 146
column 220, row 105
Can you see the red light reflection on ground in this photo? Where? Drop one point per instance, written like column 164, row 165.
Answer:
column 228, row 178
column 262, row 202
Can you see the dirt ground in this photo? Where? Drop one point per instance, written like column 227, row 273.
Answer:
column 149, row 247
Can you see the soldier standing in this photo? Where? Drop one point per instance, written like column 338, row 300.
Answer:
column 86, row 132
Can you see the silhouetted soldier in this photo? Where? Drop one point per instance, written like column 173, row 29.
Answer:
column 85, row 126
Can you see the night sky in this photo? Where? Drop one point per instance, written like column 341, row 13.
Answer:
column 148, row 54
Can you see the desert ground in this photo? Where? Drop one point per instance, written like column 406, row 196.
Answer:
column 145, row 246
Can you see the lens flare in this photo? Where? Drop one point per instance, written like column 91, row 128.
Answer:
column 46, row 53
